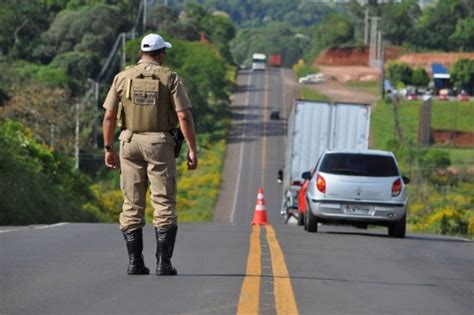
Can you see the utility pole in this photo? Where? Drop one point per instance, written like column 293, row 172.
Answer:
column 76, row 140
column 52, row 129
column 382, row 69
column 124, row 52
column 144, row 15
column 96, row 116
column 375, row 47
column 366, row 26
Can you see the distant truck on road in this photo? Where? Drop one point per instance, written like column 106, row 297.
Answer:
column 259, row 61
column 275, row 60
column 314, row 127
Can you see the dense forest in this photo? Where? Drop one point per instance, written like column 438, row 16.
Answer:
column 302, row 29
column 57, row 58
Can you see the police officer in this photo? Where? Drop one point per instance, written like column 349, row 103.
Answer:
column 147, row 101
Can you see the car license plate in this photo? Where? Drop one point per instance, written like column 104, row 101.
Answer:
column 357, row 210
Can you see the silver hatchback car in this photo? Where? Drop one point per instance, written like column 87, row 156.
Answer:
column 357, row 187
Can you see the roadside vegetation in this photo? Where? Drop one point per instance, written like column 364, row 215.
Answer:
column 307, row 93
column 372, row 86
column 442, row 181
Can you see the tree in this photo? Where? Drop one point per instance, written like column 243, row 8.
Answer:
column 394, row 31
column 79, row 65
column 47, row 112
column 219, row 28
column 221, row 31
column 87, row 29
column 462, row 74
column 399, row 73
column 463, row 36
column 334, row 30
column 306, row 14
column 420, row 77
column 166, row 21
column 436, row 25
column 20, row 26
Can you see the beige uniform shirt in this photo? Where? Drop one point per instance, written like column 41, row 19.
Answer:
column 179, row 98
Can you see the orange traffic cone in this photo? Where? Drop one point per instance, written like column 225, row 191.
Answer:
column 260, row 216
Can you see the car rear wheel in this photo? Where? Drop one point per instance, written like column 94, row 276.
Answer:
column 398, row 229
column 311, row 223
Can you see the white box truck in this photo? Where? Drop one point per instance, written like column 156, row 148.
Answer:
column 259, row 61
column 314, row 127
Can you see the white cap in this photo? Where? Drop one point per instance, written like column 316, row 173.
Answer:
column 153, row 42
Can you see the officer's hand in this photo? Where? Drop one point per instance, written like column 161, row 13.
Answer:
column 192, row 161
column 111, row 160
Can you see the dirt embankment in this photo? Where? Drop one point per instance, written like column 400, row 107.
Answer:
column 351, row 64
column 425, row 60
column 352, row 56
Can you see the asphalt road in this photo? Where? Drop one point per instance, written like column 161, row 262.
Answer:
column 228, row 267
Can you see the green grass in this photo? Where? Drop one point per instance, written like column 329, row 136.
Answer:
column 460, row 158
column 453, row 115
column 445, row 115
column 368, row 86
column 382, row 124
column 306, row 93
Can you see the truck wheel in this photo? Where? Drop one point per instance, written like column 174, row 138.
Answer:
column 398, row 229
column 300, row 218
column 311, row 223
column 305, row 219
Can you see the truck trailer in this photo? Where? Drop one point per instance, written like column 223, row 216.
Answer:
column 314, row 127
column 275, row 60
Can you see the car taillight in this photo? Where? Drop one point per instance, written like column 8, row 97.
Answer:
column 396, row 187
column 321, row 183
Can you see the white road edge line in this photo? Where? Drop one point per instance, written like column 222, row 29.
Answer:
column 237, row 188
column 42, row 227
column 50, row 226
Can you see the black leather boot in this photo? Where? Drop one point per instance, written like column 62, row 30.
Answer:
column 164, row 251
column 134, row 241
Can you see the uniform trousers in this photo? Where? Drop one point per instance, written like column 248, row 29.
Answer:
column 147, row 160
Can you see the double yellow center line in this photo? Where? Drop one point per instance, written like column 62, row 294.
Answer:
column 250, row 292
column 249, row 299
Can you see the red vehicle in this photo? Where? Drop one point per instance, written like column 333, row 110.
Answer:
column 275, row 60
column 302, row 207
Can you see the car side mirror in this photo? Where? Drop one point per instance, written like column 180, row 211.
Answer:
column 280, row 176
column 306, row 175
column 406, row 180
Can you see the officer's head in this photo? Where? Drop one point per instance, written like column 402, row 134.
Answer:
column 154, row 45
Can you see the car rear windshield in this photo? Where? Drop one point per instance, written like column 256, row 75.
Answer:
column 359, row 165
